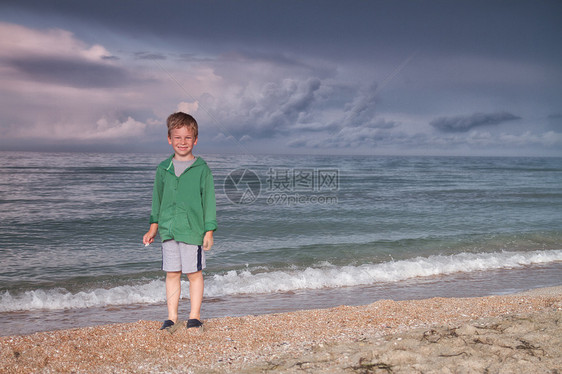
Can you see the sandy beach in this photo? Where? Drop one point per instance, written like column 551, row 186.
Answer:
column 519, row 333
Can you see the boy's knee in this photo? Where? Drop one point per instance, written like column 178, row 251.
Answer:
column 195, row 276
column 173, row 274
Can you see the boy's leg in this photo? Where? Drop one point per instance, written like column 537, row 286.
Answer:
column 196, row 286
column 173, row 291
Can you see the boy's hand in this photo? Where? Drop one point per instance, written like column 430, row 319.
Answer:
column 208, row 240
column 148, row 238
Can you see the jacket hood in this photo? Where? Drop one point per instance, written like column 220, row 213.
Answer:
column 168, row 164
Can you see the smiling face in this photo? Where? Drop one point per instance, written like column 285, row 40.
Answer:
column 182, row 141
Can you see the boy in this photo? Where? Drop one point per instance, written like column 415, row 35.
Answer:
column 184, row 214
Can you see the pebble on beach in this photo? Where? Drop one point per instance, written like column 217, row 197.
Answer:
column 485, row 333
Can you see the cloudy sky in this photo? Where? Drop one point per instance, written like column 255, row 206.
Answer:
column 328, row 77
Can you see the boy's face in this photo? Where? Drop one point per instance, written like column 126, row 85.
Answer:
column 182, row 141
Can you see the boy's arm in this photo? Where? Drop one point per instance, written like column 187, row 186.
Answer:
column 209, row 204
column 209, row 211
column 156, row 197
column 148, row 238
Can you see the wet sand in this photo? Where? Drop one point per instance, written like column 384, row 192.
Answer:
column 519, row 333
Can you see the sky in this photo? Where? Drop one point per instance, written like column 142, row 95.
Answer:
column 445, row 78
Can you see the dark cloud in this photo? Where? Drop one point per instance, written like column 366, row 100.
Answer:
column 273, row 110
column 71, row 72
column 149, row 56
column 467, row 123
column 328, row 27
column 280, row 60
column 315, row 127
column 361, row 111
column 347, row 137
column 319, row 74
column 323, row 27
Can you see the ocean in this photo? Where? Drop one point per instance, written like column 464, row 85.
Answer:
column 295, row 232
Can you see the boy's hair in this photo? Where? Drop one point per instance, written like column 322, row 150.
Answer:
column 181, row 119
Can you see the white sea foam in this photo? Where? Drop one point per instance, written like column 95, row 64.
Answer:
column 245, row 282
column 260, row 282
column 59, row 298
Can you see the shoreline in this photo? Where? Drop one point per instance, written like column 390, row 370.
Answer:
column 429, row 335
column 461, row 285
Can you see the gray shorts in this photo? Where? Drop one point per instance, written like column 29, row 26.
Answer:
column 179, row 256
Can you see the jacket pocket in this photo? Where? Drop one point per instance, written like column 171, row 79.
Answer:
column 185, row 224
column 181, row 222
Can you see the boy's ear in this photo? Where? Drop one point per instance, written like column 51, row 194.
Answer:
column 195, row 142
column 169, row 140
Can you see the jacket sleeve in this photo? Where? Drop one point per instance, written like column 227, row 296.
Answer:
column 157, row 192
column 209, row 202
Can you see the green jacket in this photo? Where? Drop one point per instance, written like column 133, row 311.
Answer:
column 184, row 207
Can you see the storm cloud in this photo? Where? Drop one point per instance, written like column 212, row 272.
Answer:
column 378, row 77
column 467, row 123
column 72, row 72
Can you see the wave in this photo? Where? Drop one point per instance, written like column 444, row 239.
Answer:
column 60, row 298
column 328, row 276
column 258, row 281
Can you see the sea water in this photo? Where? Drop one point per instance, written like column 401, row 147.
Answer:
column 295, row 232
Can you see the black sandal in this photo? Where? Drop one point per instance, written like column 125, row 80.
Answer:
column 194, row 323
column 167, row 324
